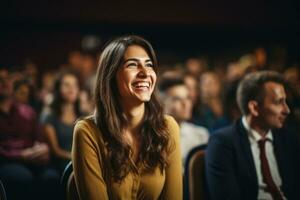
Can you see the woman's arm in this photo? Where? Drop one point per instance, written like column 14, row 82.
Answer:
column 173, row 184
column 53, row 143
column 88, row 164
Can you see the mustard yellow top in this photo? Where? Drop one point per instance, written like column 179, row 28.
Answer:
column 90, row 173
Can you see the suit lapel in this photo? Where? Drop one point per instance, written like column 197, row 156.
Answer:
column 246, row 151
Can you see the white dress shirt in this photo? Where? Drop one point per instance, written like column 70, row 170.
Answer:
column 254, row 137
column 191, row 136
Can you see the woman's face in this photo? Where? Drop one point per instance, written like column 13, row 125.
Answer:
column 69, row 88
column 136, row 77
column 210, row 85
column 191, row 84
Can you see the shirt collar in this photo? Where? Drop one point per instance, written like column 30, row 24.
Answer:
column 253, row 134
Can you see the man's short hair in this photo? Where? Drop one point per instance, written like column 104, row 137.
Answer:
column 167, row 83
column 251, row 88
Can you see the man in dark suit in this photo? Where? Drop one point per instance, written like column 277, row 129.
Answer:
column 255, row 158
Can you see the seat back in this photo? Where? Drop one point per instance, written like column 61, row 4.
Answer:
column 194, row 174
column 2, row 192
column 67, row 182
column 71, row 190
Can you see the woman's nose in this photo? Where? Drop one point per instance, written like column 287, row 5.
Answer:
column 143, row 70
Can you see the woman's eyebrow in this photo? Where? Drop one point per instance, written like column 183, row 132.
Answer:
column 131, row 59
column 136, row 60
column 148, row 60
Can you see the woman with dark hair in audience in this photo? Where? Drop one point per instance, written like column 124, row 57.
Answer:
column 210, row 107
column 59, row 123
column 128, row 149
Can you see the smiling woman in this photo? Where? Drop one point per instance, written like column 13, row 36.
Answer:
column 128, row 149
column 136, row 78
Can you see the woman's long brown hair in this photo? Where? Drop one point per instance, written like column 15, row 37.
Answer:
column 111, row 121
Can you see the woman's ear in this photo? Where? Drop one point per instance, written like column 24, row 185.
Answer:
column 253, row 108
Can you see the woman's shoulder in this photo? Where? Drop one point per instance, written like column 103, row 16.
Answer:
column 85, row 122
column 170, row 121
column 86, row 125
column 174, row 132
column 172, row 126
column 86, row 130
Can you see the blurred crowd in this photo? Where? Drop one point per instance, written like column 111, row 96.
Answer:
column 38, row 109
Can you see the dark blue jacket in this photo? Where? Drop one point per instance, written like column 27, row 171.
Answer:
column 230, row 170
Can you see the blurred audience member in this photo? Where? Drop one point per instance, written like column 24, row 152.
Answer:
column 195, row 66
column 24, row 93
column 75, row 60
column 178, row 104
column 88, row 70
column 210, row 108
column 231, row 109
column 234, row 72
column 292, row 75
column 31, row 73
column 23, row 156
column 192, row 84
column 87, row 105
column 248, row 63
column 59, row 123
column 46, row 92
column 260, row 55
column 85, row 65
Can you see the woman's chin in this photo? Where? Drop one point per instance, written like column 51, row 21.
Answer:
column 143, row 98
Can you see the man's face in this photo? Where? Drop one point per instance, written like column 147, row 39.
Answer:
column 22, row 94
column 274, row 109
column 178, row 103
column 191, row 84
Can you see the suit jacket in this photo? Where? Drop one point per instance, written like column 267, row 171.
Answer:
column 230, row 169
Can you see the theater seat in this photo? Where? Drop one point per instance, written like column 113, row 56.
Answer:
column 194, row 180
column 2, row 192
column 68, row 185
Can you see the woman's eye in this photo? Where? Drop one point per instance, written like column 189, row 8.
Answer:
column 132, row 65
column 149, row 65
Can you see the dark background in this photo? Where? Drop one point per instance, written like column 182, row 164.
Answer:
column 46, row 31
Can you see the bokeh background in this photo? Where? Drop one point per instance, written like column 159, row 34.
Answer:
column 48, row 58
column 46, row 31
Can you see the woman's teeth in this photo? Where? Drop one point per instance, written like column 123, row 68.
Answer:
column 141, row 84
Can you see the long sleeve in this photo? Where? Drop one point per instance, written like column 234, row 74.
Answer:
column 173, row 183
column 220, row 173
column 88, row 164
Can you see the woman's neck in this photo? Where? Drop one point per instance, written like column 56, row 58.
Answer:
column 135, row 115
column 68, row 113
column 67, row 108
